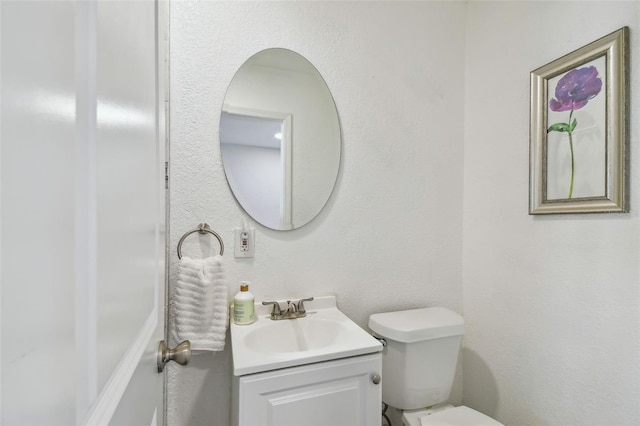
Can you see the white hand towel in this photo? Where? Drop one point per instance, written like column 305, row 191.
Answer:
column 199, row 301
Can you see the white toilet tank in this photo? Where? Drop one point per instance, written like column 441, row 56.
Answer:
column 419, row 361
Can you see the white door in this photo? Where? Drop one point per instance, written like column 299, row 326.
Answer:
column 82, row 210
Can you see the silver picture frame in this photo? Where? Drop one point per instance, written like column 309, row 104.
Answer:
column 578, row 159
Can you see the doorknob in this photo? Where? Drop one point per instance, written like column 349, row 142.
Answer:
column 180, row 354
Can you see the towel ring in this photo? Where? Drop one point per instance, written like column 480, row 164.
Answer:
column 203, row 228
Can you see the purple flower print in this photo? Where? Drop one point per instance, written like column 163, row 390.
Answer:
column 573, row 91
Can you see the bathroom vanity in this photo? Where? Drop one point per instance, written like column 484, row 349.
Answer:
column 318, row 370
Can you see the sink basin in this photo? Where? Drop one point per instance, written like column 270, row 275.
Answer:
column 295, row 335
column 324, row 334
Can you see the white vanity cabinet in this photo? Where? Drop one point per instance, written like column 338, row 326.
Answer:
column 337, row 392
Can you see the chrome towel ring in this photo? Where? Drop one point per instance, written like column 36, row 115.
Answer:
column 203, row 228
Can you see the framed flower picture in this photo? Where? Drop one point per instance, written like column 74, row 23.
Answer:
column 578, row 131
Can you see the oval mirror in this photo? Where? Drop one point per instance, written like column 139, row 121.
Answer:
column 280, row 139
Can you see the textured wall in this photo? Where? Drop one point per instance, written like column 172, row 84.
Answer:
column 390, row 236
column 551, row 303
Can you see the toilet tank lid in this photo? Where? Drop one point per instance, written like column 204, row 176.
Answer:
column 415, row 325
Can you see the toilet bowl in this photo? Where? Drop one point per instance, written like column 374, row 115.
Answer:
column 450, row 416
column 418, row 366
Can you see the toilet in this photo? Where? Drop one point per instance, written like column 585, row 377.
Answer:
column 418, row 366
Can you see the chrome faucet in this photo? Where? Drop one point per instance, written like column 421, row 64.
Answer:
column 293, row 310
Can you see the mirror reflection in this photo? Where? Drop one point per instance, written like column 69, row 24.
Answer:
column 280, row 139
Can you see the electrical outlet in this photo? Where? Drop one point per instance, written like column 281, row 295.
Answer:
column 245, row 240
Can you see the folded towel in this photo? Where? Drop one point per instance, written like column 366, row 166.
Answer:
column 199, row 304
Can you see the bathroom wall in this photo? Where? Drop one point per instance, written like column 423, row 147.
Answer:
column 551, row 303
column 391, row 234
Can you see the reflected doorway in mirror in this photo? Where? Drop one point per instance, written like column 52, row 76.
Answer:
column 256, row 152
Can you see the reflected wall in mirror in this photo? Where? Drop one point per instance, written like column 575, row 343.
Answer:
column 280, row 139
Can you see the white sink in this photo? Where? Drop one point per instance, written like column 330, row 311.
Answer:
column 324, row 334
column 295, row 335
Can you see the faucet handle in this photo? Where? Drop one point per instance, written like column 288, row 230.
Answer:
column 276, row 311
column 301, row 304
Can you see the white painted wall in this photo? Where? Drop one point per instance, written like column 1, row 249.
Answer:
column 257, row 182
column 390, row 236
column 551, row 303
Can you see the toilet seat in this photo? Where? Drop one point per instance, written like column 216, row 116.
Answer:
column 458, row 416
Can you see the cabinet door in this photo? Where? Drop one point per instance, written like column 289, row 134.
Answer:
column 335, row 393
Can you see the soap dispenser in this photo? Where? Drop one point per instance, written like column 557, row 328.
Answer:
column 243, row 306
